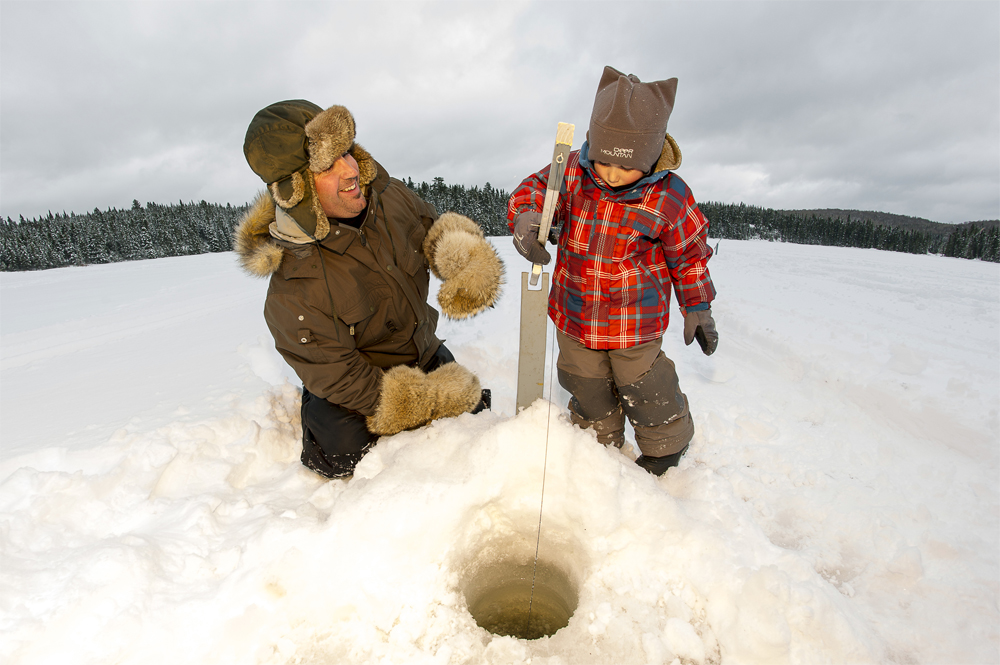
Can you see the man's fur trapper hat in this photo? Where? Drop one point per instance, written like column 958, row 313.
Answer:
column 287, row 142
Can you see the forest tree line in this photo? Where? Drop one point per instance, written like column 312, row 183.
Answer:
column 976, row 240
column 158, row 231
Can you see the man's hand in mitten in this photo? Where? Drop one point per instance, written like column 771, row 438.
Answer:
column 469, row 268
column 409, row 398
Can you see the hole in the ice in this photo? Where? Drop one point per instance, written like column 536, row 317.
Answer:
column 500, row 598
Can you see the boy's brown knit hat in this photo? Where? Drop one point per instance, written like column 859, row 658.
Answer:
column 629, row 123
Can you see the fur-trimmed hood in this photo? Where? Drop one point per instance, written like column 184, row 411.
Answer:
column 670, row 156
column 258, row 253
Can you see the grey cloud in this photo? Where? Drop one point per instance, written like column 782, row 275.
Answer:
column 887, row 106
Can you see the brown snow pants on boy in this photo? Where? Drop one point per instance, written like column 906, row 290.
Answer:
column 639, row 382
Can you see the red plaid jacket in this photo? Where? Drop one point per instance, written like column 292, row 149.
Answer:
column 619, row 252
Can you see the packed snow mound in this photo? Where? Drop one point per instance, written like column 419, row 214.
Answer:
column 838, row 503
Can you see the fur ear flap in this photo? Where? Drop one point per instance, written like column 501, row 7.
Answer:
column 298, row 192
column 366, row 166
column 330, row 134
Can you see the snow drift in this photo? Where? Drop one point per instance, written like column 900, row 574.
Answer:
column 838, row 504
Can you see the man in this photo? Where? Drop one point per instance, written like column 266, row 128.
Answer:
column 347, row 250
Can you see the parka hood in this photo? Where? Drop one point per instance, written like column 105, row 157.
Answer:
column 259, row 255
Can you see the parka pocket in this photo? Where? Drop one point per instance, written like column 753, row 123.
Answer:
column 366, row 319
column 654, row 293
column 356, row 316
column 635, row 236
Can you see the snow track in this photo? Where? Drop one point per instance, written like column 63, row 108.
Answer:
column 839, row 502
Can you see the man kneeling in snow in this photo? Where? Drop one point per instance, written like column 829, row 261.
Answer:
column 347, row 249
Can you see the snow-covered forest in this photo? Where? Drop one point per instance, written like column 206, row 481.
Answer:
column 183, row 229
column 839, row 503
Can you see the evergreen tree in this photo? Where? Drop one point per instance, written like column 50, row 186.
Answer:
column 153, row 231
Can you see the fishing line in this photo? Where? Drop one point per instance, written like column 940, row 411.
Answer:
column 545, row 462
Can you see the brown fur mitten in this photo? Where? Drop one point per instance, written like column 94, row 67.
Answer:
column 410, row 398
column 467, row 264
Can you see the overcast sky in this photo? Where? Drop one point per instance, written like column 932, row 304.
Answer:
column 888, row 106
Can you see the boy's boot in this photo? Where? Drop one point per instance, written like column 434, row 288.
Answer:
column 594, row 405
column 658, row 465
column 659, row 413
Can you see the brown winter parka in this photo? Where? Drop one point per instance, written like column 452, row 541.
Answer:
column 343, row 309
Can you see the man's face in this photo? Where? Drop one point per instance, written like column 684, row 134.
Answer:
column 617, row 176
column 338, row 189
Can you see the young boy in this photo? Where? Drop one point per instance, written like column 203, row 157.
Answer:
column 630, row 230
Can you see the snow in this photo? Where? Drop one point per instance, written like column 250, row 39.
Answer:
column 839, row 503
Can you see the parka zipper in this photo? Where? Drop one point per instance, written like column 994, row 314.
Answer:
column 361, row 226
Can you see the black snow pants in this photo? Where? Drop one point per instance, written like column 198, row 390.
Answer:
column 334, row 438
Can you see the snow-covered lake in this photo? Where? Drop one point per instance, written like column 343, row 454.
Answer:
column 839, row 503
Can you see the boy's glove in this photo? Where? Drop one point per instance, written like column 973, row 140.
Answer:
column 526, row 226
column 410, row 398
column 701, row 326
column 466, row 263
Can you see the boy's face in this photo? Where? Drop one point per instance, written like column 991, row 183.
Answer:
column 616, row 175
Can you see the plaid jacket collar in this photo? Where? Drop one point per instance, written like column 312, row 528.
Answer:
column 587, row 166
